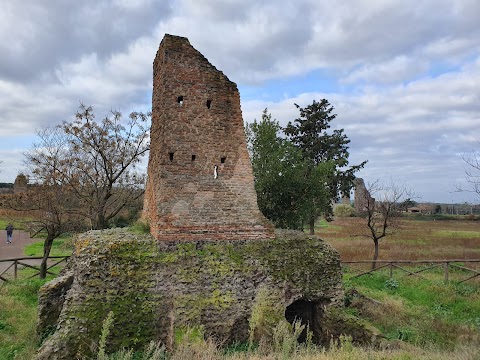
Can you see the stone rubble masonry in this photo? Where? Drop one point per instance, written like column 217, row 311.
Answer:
column 200, row 182
column 157, row 289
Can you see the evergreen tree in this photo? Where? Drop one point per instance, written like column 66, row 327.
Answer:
column 286, row 195
column 277, row 167
column 310, row 134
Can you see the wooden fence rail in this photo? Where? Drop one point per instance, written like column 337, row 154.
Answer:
column 430, row 264
column 379, row 265
column 21, row 261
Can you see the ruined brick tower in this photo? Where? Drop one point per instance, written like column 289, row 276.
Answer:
column 200, row 181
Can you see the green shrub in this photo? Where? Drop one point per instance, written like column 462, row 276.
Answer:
column 343, row 210
column 140, row 227
column 391, row 284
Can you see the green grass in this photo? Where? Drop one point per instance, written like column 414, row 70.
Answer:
column 61, row 246
column 18, row 225
column 324, row 226
column 18, row 304
column 422, row 312
column 140, row 227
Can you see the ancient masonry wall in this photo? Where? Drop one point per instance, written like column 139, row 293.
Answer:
column 200, row 182
column 363, row 199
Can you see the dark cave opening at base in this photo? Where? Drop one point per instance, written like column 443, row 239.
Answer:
column 305, row 312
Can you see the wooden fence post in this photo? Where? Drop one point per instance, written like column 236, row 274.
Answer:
column 445, row 268
column 391, row 270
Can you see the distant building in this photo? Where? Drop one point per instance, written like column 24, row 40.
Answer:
column 421, row 209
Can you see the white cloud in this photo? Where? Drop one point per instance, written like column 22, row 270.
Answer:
column 391, row 71
column 414, row 132
column 406, row 72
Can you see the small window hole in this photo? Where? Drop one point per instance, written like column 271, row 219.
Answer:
column 171, row 156
column 209, row 103
column 194, row 157
column 180, row 100
column 222, row 160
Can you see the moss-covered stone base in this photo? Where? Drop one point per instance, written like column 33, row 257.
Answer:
column 157, row 288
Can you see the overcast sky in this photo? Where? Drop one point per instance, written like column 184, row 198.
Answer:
column 403, row 76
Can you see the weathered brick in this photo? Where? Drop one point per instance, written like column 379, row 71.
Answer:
column 196, row 125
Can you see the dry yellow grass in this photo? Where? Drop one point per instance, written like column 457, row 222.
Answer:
column 209, row 351
column 415, row 240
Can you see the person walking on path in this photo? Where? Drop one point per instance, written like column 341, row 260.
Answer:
column 9, row 229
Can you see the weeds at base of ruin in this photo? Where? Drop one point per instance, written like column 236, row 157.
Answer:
column 283, row 345
column 343, row 350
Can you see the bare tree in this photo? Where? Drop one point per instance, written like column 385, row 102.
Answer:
column 95, row 161
column 472, row 172
column 83, row 170
column 382, row 210
column 49, row 205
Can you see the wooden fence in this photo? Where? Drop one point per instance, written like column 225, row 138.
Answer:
column 15, row 263
column 426, row 265
column 390, row 265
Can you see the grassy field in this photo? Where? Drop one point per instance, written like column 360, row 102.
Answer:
column 420, row 319
column 421, row 312
column 417, row 239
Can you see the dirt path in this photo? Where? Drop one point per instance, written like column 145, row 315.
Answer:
column 15, row 249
